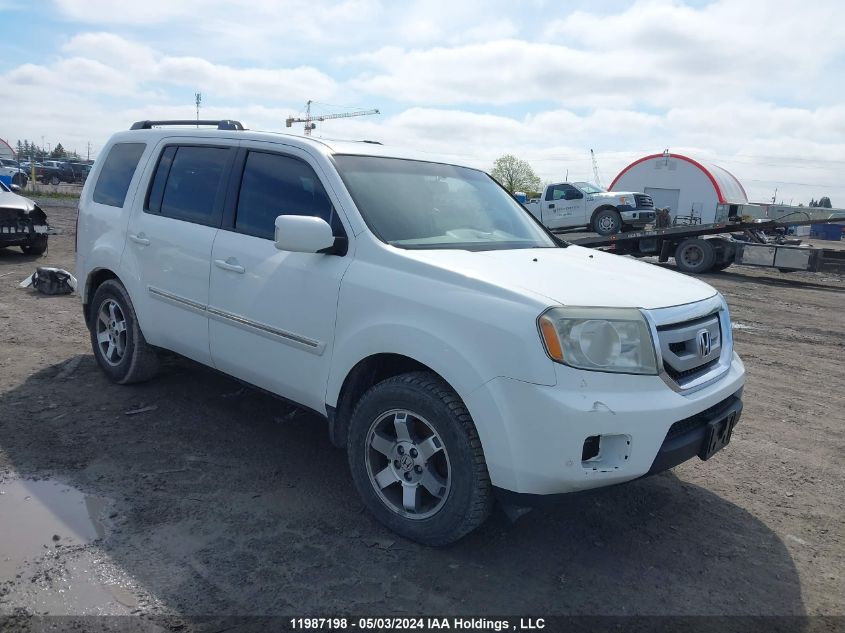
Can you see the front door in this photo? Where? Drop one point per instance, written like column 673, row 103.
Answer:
column 272, row 313
column 563, row 206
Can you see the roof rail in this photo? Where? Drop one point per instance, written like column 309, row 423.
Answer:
column 225, row 124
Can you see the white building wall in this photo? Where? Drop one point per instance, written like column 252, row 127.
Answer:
column 695, row 189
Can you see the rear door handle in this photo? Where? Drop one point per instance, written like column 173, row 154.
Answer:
column 230, row 263
column 140, row 239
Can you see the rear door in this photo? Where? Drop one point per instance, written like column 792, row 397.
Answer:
column 272, row 313
column 169, row 243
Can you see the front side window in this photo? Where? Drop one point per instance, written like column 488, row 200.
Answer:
column 275, row 185
column 417, row 204
column 117, row 172
column 589, row 188
column 187, row 183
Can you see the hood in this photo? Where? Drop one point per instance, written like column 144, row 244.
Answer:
column 14, row 202
column 573, row 275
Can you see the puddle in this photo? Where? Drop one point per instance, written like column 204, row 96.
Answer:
column 34, row 513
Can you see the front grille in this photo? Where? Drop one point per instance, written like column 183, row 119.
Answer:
column 678, row 376
column 685, row 356
column 643, row 201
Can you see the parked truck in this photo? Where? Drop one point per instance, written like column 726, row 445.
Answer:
column 573, row 204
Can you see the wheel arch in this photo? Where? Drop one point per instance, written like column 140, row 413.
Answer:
column 597, row 210
column 95, row 279
column 365, row 374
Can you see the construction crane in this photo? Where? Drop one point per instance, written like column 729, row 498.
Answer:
column 308, row 119
column 595, row 168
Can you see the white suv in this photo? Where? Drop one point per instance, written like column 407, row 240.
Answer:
column 456, row 349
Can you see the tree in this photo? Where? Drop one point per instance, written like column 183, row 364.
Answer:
column 58, row 151
column 824, row 202
column 515, row 174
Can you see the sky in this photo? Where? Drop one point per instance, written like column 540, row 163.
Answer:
column 754, row 86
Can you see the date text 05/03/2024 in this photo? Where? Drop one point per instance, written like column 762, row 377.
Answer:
column 418, row 624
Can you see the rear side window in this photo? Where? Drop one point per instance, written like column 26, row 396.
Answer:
column 275, row 185
column 116, row 174
column 188, row 183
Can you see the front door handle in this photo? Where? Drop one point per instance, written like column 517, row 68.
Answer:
column 231, row 264
column 140, row 239
column 551, row 205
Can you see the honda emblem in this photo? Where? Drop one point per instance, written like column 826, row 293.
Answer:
column 705, row 345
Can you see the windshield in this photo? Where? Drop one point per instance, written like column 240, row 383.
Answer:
column 415, row 204
column 588, row 187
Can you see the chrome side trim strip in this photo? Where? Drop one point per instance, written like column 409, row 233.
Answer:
column 302, row 342
column 268, row 331
column 176, row 300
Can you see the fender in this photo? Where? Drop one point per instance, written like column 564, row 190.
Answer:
column 410, row 341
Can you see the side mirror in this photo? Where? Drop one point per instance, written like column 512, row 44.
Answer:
column 303, row 234
column 15, row 188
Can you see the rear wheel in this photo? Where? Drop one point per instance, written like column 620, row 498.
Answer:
column 607, row 222
column 416, row 459
column 116, row 338
column 695, row 255
column 54, row 180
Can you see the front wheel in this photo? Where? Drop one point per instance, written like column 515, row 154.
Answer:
column 607, row 222
column 36, row 247
column 116, row 338
column 416, row 459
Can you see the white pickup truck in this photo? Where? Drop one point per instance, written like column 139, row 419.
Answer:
column 450, row 343
column 566, row 205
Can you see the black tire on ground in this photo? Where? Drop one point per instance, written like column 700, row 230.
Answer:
column 19, row 179
column 138, row 361
column 36, row 247
column 695, row 255
column 607, row 222
column 468, row 499
column 720, row 267
column 54, row 180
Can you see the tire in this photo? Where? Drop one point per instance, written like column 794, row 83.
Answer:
column 450, row 459
column 19, row 179
column 607, row 222
column 720, row 267
column 38, row 246
column 695, row 255
column 55, row 180
column 123, row 354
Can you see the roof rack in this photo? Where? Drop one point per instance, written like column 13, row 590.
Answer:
column 225, row 124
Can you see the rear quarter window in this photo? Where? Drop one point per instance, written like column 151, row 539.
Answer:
column 117, row 172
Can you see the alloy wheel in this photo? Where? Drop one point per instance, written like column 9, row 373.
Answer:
column 407, row 464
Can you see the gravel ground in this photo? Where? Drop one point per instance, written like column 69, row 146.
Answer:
column 213, row 499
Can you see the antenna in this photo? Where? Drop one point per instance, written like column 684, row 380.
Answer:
column 198, row 98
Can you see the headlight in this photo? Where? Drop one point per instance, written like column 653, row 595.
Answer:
column 599, row 339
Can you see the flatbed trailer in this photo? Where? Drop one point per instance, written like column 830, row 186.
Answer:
column 713, row 247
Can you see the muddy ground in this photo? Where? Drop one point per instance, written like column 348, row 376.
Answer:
column 214, row 499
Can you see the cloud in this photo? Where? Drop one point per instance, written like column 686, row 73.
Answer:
column 738, row 83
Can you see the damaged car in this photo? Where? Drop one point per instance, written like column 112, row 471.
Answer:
column 22, row 222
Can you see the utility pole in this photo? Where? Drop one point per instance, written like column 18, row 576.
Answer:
column 595, row 168
column 198, row 98
column 89, row 150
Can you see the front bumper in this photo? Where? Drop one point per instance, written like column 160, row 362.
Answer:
column 637, row 217
column 533, row 435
